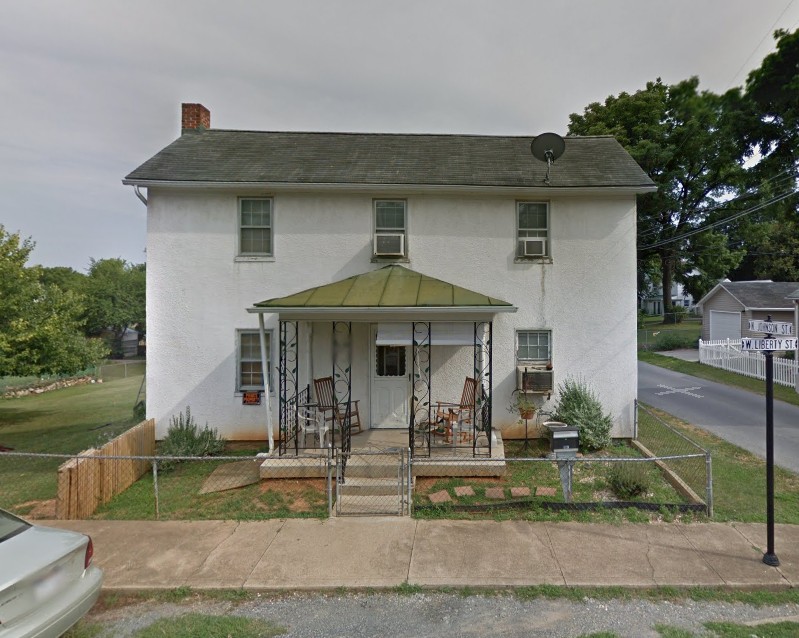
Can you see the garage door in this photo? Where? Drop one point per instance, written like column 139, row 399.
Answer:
column 725, row 325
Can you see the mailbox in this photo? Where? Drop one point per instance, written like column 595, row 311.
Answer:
column 564, row 439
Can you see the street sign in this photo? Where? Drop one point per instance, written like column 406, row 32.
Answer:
column 771, row 327
column 773, row 343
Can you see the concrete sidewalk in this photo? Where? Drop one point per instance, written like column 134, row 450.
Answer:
column 385, row 552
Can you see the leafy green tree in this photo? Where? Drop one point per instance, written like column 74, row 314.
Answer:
column 686, row 141
column 41, row 326
column 115, row 298
column 772, row 235
column 64, row 277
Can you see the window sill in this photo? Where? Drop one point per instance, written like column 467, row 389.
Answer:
column 246, row 258
column 532, row 260
column 390, row 260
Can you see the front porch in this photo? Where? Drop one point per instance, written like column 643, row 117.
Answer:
column 396, row 342
column 443, row 460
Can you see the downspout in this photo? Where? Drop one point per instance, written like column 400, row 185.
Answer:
column 265, row 370
column 139, row 195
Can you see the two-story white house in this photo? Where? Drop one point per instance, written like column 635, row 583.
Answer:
column 397, row 264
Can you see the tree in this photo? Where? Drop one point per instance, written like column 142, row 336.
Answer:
column 772, row 237
column 115, row 292
column 41, row 326
column 686, row 141
column 64, row 277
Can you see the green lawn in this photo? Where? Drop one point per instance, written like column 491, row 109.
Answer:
column 590, row 483
column 758, row 386
column 64, row 421
column 656, row 335
column 739, row 480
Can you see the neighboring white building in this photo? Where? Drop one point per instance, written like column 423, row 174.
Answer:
column 238, row 217
column 652, row 301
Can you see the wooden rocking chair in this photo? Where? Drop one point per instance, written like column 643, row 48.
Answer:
column 332, row 411
column 450, row 415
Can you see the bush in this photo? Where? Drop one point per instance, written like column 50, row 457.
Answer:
column 140, row 411
column 628, row 480
column 184, row 438
column 578, row 405
column 673, row 340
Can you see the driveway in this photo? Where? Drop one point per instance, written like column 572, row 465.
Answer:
column 735, row 415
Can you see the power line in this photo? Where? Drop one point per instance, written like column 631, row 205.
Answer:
column 721, row 222
column 743, row 196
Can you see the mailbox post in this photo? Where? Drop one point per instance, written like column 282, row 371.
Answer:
column 564, row 442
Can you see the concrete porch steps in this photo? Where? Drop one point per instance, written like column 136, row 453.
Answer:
column 358, row 505
column 354, row 486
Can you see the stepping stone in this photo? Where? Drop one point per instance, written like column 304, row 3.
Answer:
column 495, row 492
column 546, row 491
column 440, row 497
column 464, row 490
column 518, row 492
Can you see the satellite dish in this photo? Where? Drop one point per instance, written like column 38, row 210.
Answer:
column 547, row 147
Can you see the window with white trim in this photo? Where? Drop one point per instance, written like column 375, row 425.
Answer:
column 534, row 345
column 255, row 226
column 390, row 237
column 250, row 375
column 532, row 230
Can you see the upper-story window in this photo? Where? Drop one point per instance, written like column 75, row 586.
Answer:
column 255, row 226
column 532, row 229
column 390, row 238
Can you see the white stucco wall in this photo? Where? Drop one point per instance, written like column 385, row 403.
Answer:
column 197, row 293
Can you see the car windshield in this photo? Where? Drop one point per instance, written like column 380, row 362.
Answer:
column 10, row 525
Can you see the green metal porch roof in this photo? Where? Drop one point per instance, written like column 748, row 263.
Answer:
column 392, row 286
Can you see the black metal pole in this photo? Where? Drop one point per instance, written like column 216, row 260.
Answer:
column 770, row 558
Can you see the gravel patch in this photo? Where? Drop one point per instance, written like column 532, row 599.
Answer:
column 365, row 615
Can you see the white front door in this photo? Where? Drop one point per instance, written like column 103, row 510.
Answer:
column 390, row 398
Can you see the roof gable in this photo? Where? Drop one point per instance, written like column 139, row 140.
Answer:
column 772, row 295
column 254, row 157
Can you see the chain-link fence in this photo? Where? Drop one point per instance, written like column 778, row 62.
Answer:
column 661, row 468
column 50, row 486
column 686, row 464
column 120, row 369
column 524, row 485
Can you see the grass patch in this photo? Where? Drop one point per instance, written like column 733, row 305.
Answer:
column 757, row 386
column 590, row 483
column 766, row 630
column 739, row 479
column 179, row 497
column 65, row 421
column 655, row 335
column 206, row 626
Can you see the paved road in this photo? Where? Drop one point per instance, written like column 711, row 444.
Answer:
column 733, row 414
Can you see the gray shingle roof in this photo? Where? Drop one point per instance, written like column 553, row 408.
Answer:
column 762, row 294
column 363, row 158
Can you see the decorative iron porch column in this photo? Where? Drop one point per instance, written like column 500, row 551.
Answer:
column 421, row 406
column 342, row 381
column 289, row 386
column 483, row 351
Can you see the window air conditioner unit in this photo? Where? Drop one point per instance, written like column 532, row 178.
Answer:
column 392, row 244
column 530, row 379
column 535, row 247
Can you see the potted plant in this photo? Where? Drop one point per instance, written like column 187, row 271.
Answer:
column 523, row 404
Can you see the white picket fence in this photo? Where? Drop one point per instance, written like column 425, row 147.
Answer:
column 727, row 355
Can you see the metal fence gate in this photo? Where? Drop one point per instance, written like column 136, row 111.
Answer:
column 373, row 483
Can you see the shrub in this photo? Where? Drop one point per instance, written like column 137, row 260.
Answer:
column 140, row 411
column 628, row 480
column 674, row 339
column 185, row 438
column 578, row 405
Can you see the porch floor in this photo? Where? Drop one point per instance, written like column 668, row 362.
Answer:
column 444, row 459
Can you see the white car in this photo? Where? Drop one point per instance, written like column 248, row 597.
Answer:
column 47, row 581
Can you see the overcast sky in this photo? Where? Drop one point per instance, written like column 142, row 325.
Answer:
column 90, row 90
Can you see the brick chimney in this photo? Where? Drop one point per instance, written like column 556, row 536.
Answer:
column 195, row 117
